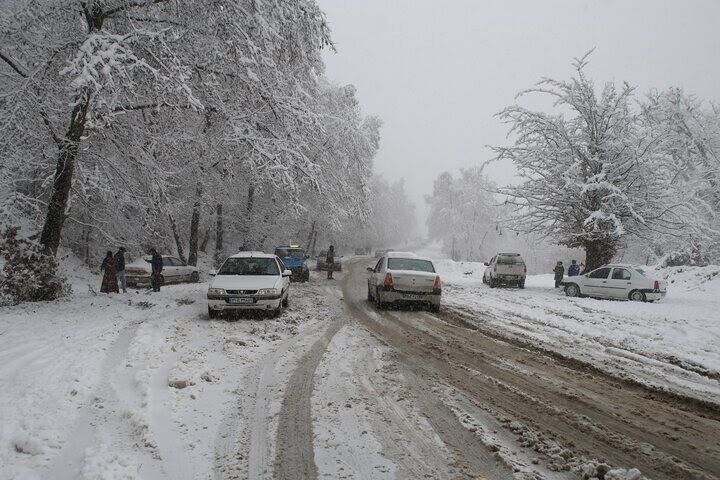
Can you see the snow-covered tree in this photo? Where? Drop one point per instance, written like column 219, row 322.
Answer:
column 588, row 169
column 688, row 133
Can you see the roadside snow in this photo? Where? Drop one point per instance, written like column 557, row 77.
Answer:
column 673, row 344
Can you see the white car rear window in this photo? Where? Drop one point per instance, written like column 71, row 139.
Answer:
column 410, row 264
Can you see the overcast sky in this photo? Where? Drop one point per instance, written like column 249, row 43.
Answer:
column 436, row 71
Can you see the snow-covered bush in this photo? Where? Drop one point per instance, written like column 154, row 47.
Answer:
column 28, row 274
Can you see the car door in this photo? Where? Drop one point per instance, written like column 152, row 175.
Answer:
column 285, row 280
column 170, row 269
column 373, row 279
column 488, row 270
column 596, row 282
column 620, row 283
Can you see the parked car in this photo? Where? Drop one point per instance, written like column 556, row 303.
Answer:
column 249, row 281
column 505, row 269
column 295, row 259
column 618, row 281
column 321, row 262
column 401, row 278
column 174, row 270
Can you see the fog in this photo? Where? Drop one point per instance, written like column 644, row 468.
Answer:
column 437, row 72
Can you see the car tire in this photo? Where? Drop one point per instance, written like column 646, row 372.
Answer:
column 637, row 296
column 379, row 303
column 483, row 280
column 370, row 297
column 493, row 283
column 435, row 308
column 194, row 277
column 286, row 300
column 521, row 285
column 572, row 290
column 212, row 313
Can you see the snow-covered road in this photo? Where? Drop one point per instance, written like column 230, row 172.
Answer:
column 503, row 384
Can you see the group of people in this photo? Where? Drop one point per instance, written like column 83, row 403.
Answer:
column 113, row 269
column 573, row 270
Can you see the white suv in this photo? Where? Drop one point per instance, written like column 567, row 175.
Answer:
column 505, row 269
column 618, row 281
column 249, row 281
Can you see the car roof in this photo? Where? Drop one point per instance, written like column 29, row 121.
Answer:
column 510, row 254
column 624, row 265
column 255, row 254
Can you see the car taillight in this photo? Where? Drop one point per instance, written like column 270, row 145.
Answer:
column 495, row 268
column 388, row 280
column 524, row 269
column 656, row 286
column 438, row 283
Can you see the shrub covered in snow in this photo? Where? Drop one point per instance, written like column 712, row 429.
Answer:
column 28, row 274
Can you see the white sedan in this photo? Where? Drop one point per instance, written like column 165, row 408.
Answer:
column 401, row 278
column 616, row 281
column 249, row 281
column 174, row 271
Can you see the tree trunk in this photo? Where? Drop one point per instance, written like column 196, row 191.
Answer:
column 219, row 231
column 597, row 254
column 194, row 228
column 245, row 227
column 206, row 240
column 178, row 242
column 52, row 229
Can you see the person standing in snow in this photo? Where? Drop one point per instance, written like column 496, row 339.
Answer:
column 120, row 263
column 157, row 265
column 330, row 262
column 109, row 268
column 573, row 269
column 559, row 271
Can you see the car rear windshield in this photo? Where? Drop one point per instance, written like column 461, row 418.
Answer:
column 290, row 252
column 249, row 266
column 509, row 259
column 410, row 264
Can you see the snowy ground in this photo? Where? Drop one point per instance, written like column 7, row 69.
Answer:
column 139, row 385
column 672, row 344
column 143, row 385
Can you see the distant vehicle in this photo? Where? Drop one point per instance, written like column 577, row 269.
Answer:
column 401, row 278
column 174, row 270
column 505, row 269
column 362, row 251
column 321, row 262
column 618, row 281
column 381, row 253
column 295, row 259
column 249, row 281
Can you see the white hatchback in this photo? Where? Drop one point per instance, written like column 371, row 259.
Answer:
column 249, row 281
column 617, row 281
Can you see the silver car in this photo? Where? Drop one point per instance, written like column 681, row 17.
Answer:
column 404, row 278
column 505, row 269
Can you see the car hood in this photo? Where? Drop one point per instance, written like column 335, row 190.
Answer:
column 244, row 282
column 293, row 262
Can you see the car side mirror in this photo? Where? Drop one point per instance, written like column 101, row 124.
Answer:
column 370, row 269
column 307, row 256
column 486, row 264
column 287, row 273
column 212, row 272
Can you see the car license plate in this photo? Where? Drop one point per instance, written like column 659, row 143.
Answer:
column 412, row 297
column 241, row 300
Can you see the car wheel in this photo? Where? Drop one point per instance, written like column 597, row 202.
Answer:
column 637, row 296
column 493, row 283
column 435, row 308
column 521, row 285
column 286, row 300
column 370, row 297
column 379, row 303
column 194, row 277
column 483, row 280
column 212, row 313
column 572, row 290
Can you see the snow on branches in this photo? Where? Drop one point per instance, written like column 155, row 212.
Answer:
column 590, row 169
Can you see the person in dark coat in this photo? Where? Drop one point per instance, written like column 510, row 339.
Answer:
column 330, row 261
column 559, row 271
column 109, row 268
column 157, row 265
column 120, row 263
column 573, row 269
